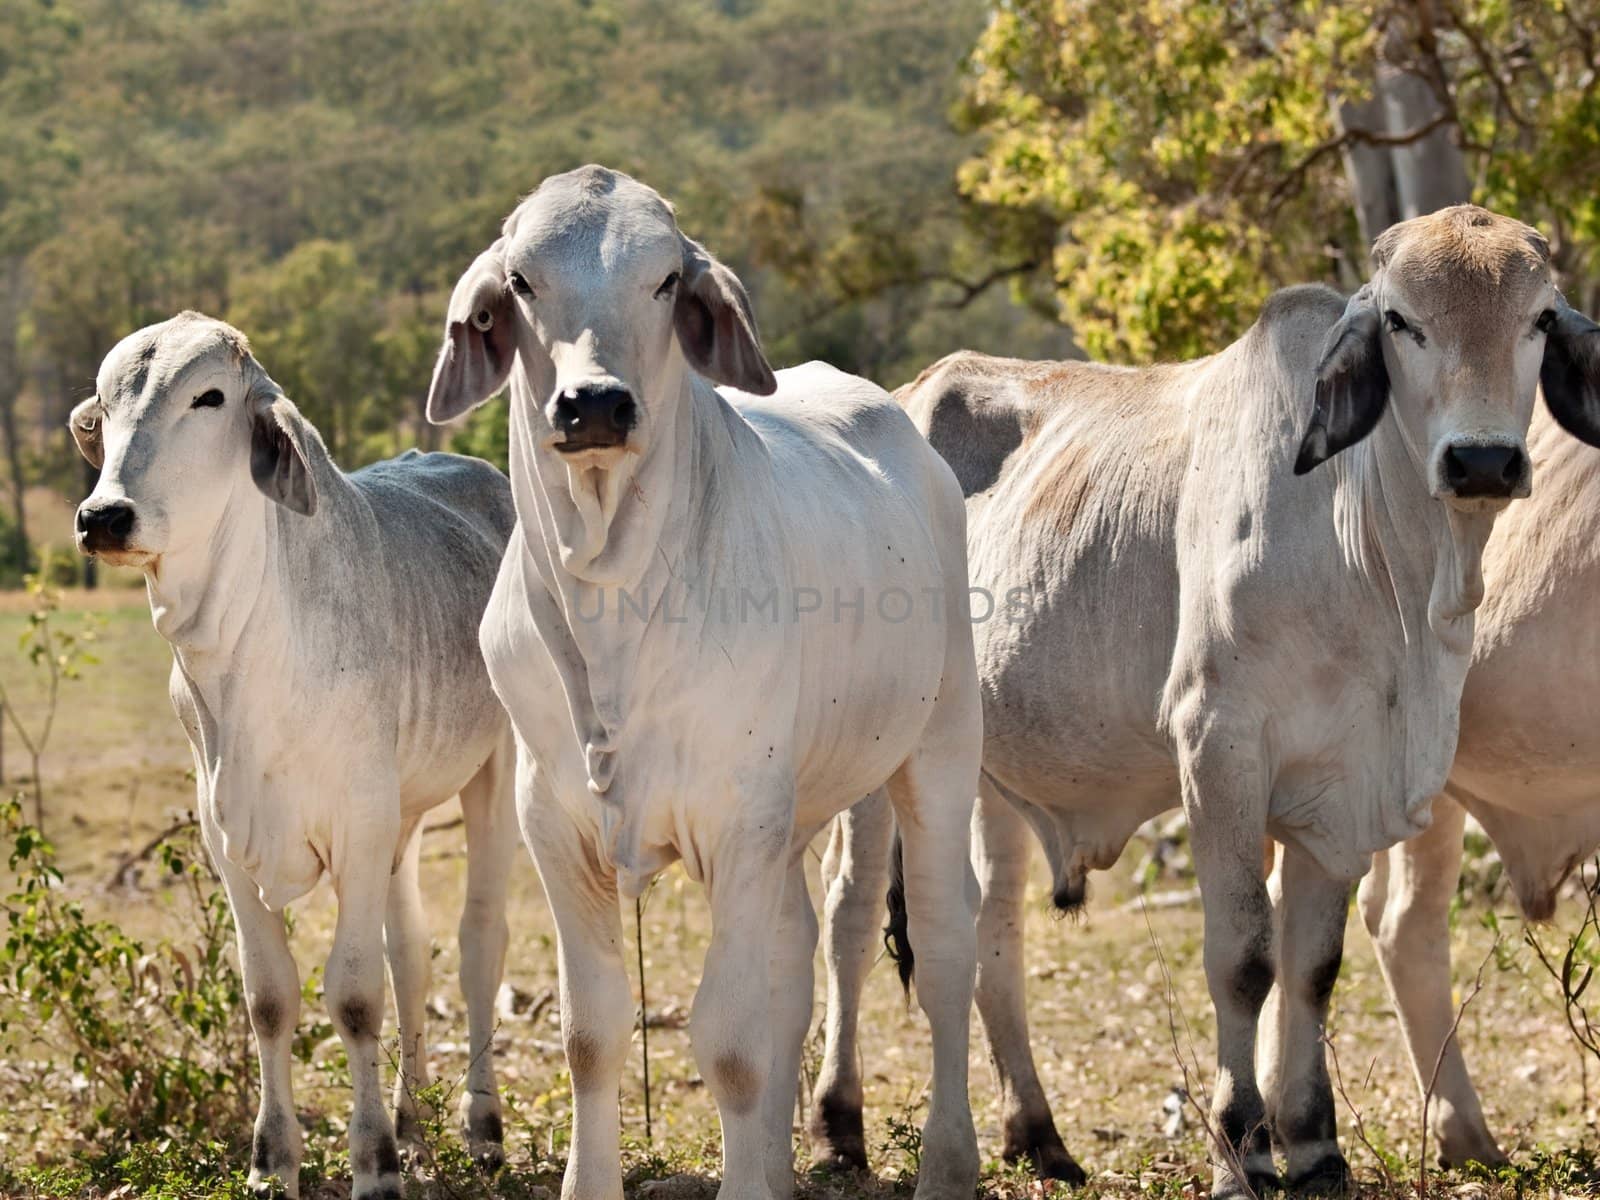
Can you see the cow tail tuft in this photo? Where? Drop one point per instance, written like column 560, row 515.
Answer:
column 897, row 933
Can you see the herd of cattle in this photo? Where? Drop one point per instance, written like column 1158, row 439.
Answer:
column 716, row 607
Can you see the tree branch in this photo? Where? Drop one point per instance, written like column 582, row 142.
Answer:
column 1487, row 62
column 1367, row 137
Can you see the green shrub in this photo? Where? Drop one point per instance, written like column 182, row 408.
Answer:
column 157, row 1034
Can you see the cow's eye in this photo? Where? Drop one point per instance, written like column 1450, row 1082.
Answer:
column 210, row 399
column 1546, row 321
column 519, row 285
column 1397, row 323
column 668, row 285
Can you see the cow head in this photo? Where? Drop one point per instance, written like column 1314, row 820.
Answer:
column 182, row 418
column 605, row 305
column 1457, row 327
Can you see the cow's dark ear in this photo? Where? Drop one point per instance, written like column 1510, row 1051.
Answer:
column 716, row 325
column 480, row 341
column 87, row 423
column 1570, row 374
column 280, row 460
column 1352, row 385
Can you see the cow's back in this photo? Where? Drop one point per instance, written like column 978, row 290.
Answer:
column 443, row 521
column 1072, row 473
column 874, row 531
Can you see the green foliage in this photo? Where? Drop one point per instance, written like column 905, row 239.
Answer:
column 1188, row 159
column 1147, row 132
column 156, row 1033
column 320, row 174
column 486, row 434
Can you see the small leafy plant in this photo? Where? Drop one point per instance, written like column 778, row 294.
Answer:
column 156, row 1034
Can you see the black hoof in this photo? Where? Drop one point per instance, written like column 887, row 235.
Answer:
column 1058, row 1164
column 489, row 1157
column 1329, row 1177
column 839, row 1139
column 268, row 1189
column 378, row 1191
column 1038, row 1144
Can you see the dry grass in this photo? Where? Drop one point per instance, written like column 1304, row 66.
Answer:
column 1100, row 1021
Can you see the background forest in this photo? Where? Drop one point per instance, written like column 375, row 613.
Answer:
column 893, row 179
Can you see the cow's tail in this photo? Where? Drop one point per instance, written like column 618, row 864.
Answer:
column 897, row 933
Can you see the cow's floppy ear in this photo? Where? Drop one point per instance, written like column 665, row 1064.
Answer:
column 1352, row 385
column 87, row 423
column 1570, row 373
column 480, row 341
column 279, row 437
column 716, row 325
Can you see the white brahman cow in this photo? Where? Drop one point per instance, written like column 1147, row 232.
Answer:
column 1527, row 763
column 721, row 621
column 1210, row 616
column 326, row 671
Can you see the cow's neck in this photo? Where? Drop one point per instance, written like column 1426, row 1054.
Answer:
column 221, row 604
column 1392, row 524
column 604, row 603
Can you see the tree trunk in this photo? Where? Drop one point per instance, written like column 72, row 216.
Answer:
column 1369, row 168
column 1396, row 183
column 1429, row 173
column 11, row 303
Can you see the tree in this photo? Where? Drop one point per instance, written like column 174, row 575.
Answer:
column 1192, row 157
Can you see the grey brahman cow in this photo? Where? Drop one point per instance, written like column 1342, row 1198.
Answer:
column 326, row 671
column 1209, row 615
column 1527, row 764
column 703, row 636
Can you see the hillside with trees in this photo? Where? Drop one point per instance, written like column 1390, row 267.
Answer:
column 320, row 173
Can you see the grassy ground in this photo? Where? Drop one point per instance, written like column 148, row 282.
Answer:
column 1100, row 1005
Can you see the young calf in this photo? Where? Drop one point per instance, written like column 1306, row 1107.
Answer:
column 326, row 669
column 722, row 620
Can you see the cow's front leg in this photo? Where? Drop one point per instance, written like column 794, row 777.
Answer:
column 731, row 1023
column 353, row 987
column 489, row 813
column 793, row 952
column 1225, row 797
column 1310, row 948
column 405, row 940
column 272, row 995
column 1000, row 841
column 855, row 871
column 596, row 998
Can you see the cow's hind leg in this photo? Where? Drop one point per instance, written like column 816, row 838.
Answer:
column 855, row 872
column 489, row 811
column 1405, row 902
column 1000, row 856
column 355, row 996
column 792, row 984
column 596, row 998
column 1314, row 908
column 1225, row 797
column 272, row 995
column 405, row 940
column 932, row 794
